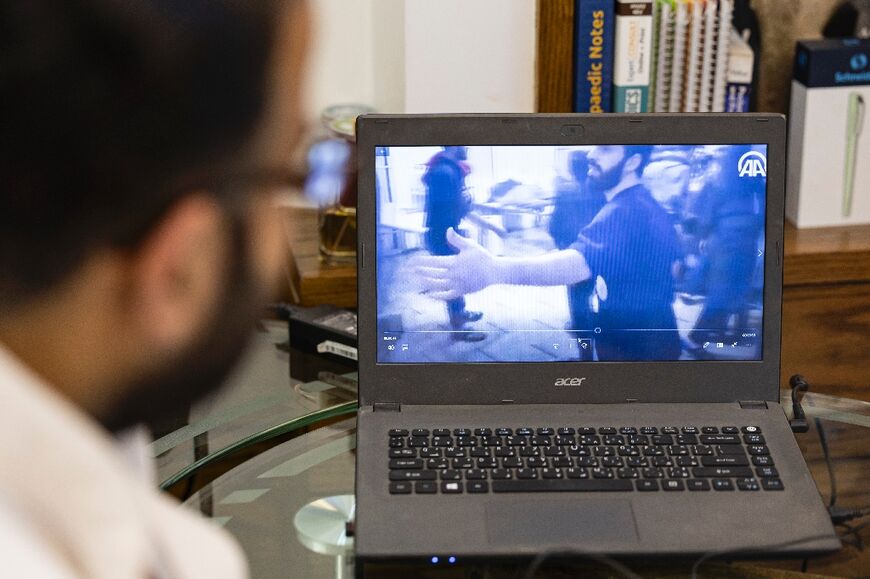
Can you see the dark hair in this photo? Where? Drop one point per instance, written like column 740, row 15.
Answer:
column 643, row 150
column 107, row 104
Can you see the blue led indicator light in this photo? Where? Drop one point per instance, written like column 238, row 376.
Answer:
column 451, row 560
column 435, row 560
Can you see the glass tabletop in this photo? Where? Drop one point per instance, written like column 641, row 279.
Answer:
column 289, row 505
column 260, row 397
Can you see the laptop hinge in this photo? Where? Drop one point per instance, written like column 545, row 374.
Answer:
column 753, row 404
column 386, row 407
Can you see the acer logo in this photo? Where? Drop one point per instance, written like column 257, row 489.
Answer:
column 569, row 381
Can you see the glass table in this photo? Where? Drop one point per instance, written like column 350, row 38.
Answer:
column 289, row 494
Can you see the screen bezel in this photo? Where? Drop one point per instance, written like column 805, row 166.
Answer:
column 532, row 382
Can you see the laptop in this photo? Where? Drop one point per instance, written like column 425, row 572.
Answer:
column 569, row 340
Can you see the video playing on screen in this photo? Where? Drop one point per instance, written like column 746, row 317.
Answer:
column 570, row 253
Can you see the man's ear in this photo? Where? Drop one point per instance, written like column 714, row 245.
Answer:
column 177, row 271
column 631, row 164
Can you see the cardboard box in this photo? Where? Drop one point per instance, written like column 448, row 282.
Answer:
column 828, row 181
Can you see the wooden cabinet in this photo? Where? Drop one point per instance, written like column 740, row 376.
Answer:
column 826, row 309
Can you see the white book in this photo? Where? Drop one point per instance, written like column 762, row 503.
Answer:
column 678, row 66
column 708, row 59
column 723, row 40
column 693, row 58
column 664, row 55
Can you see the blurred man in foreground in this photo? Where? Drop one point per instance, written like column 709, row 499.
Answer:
column 142, row 144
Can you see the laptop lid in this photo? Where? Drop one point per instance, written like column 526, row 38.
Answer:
column 570, row 258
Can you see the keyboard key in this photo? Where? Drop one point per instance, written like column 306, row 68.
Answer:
column 480, row 452
column 628, row 430
column 614, row 439
column 662, row 461
column 599, row 472
column 653, row 473
column 562, row 461
column 636, row 461
column 687, row 461
column 483, row 431
column 662, row 440
column 397, row 442
column 627, row 472
column 545, row 432
column 720, row 439
column 611, row 461
column 772, row 484
column 450, row 474
column 607, row 430
column 585, row 430
column 747, row 484
column 730, row 430
column 687, row 439
column 679, row 472
column 669, row 430
column 451, row 487
column 690, row 430
column 429, row 452
column 721, row 471
column 649, row 430
column 488, row 462
column 551, row 473
column 647, row 485
column 437, row 464
column 727, row 460
column 536, row 462
column 753, row 438
column 722, row 484
column 525, row 431
column 463, row 463
column 477, row 487
column 441, row 432
column 475, row 474
column 751, row 429
column 767, row 472
column 512, row 462
column 587, row 461
column 418, row 442
column 455, row 452
column 461, row 432
column 504, row 431
column 673, row 485
column 730, row 449
column 424, row 487
column 526, row 473
column 697, row 484
column 530, row 451
column 565, row 485
column 702, row 450
column 504, row 451
column 577, row 473
column 758, row 450
column 709, row 430
column 500, row 474
column 402, row 453
column 398, row 432
column 400, row 488
column 420, row 432
column 406, row 475
column 762, row 461
column 565, row 431
column 406, row 463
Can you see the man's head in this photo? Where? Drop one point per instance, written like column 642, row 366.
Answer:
column 611, row 165
column 140, row 144
column 459, row 153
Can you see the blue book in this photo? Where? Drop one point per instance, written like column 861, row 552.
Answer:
column 593, row 56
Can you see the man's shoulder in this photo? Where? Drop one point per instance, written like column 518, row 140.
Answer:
column 24, row 551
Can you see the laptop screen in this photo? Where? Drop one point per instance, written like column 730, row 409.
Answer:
column 595, row 253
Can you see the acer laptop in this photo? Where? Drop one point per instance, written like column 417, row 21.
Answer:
column 569, row 338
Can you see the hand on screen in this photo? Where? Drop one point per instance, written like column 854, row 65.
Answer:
column 448, row 277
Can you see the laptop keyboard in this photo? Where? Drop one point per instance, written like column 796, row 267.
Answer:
column 583, row 459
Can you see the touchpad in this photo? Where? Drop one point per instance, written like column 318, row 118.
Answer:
column 560, row 521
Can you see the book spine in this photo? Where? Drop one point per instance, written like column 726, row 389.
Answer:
column 664, row 56
column 678, row 66
column 632, row 56
column 722, row 50
column 693, row 60
column 738, row 86
column 593, row 56
column 708, row 59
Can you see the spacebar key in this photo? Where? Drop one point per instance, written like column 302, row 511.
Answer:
column 543, row 486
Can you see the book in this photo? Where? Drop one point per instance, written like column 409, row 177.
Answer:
column 694, row 49
column 739, row 76
column 664, row 55
column 632, row 56
column 593, row 56
column 723, row 39
column 681, row 31
column 708, row 55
